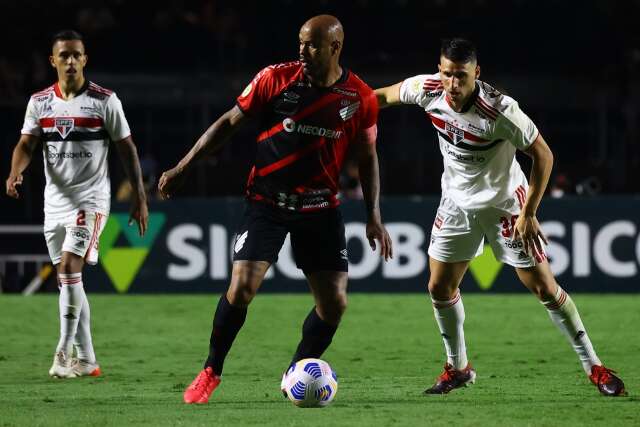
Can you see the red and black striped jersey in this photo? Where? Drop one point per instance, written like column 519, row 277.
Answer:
column 304, row 134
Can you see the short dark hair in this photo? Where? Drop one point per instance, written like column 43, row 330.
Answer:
column 66, row 35
column 459, row 50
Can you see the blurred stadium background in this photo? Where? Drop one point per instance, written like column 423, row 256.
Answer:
column 176, row 65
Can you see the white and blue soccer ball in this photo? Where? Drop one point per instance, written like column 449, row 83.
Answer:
column 310, row 383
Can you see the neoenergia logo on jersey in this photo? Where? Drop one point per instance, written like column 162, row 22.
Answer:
column 122, row 263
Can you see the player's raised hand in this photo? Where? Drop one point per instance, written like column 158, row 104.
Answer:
column 140, row 214
column 170, row 182
column 376, row 231
column 12, row 185
column 528, row 229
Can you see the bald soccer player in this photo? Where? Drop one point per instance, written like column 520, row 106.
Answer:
column 310, row 112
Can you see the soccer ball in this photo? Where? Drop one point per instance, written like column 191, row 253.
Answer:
column 310, row 383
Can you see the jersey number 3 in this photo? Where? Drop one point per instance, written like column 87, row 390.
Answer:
column 508, row 226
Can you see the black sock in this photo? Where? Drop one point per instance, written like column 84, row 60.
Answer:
column 226, row 323
column 316, row 337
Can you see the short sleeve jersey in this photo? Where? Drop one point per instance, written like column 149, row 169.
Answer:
column 478, row 144
column 75, row 137
column 304, row 134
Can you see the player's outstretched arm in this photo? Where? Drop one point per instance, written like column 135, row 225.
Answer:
column 211, row 141
column 527, row 226
column 129, row 157
column 370, row 181
column 388, row 96
column 22, row 154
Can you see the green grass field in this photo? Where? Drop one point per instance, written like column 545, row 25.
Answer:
column 386, row 352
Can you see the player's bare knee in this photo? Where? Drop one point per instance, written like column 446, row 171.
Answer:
column 241, row 295
column 340, row 305
column 331, row 315
column 440, row 290
column 544, row 291
column 331, row 311
column 70, row 265
column 239, row 298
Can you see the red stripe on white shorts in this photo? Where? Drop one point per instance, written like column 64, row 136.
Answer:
column 94, row 235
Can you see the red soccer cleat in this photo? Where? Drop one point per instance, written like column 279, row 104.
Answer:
column 452, row 378
column 202, row 387
column 607, row 383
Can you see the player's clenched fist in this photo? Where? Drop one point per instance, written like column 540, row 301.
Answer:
column 12, row 183
column 169, row 182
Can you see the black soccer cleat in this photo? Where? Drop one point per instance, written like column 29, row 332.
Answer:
column 608, row 384
column 452, row 378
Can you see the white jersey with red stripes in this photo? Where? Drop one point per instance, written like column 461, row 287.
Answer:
column 75, row 137
column 478, row 144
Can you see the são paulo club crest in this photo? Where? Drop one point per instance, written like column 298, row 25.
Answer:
column 456, row 135
column 64, row 126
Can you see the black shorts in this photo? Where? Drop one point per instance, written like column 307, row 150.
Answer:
column 317, row 238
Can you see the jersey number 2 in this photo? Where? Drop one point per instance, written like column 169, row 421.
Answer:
column 80, row 218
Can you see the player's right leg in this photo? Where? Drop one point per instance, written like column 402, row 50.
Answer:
column 228, row 319
column 70, row 304
column 256, row 247
column 448, row 309
column 455, row 239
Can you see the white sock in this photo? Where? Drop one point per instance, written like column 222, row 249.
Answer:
column 70, row 303
column 564, row 314
column 450, row 318
column 83, row 341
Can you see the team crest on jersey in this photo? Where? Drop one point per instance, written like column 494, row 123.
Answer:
column 347, row 112
column 64, row 126
column 456, row 135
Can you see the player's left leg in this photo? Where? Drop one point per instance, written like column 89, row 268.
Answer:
column 563, row 312
column 535, row 273
column 85, row 364
column 329, row 290
column 80, row 246
column 320, row 250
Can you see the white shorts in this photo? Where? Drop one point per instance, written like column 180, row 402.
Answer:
column 78, row 233
column 458, row 235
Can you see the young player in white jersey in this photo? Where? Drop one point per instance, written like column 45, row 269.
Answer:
column 76, row 121
column 485, row 193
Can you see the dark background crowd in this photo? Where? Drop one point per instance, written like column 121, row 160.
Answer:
column 573, row 66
